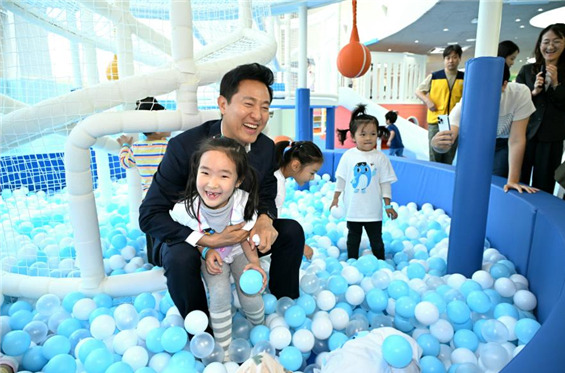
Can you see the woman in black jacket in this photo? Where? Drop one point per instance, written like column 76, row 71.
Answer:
column 546, row 128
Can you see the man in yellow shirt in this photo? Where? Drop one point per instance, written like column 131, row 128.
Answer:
column 440, row 91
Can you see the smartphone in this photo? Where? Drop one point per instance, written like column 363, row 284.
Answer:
column 443, row 123
column 543, row 71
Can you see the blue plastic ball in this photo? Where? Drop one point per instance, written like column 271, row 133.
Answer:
column 251, row 281
column 291, row 358
column 61, row 364
column 397, row 351
column 15, row 343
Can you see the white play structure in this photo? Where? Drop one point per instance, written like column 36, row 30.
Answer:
column 73, row 70
column 236, row 41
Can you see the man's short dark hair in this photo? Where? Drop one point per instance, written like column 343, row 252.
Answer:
column 452, row 48
column 253, row 71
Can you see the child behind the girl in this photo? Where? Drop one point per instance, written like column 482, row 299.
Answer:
column 394, row 142
column 211, row 202
column 364, row 175
column 144, row 154
column 300, row 160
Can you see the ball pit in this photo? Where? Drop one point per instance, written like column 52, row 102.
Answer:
column 480, row 322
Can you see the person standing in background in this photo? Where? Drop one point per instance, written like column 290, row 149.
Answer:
column 508, row 50
column 546, row 128
column 440, row 91
column 394, row 142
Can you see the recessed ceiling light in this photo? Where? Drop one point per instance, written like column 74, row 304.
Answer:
column 452, row 43
column 518, row 19
column 540, row 9
column 521, row 60
column 470, row 40
column 522, row 26
column 389, row 49
column 416, row 41
column 475, row 20
column 446, row 29
column 531, row 60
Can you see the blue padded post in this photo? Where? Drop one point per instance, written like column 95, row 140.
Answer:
column 330, row 127
column 304, row 129
column 477, row 138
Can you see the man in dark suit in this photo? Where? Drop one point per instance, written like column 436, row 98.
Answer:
column 244, row 101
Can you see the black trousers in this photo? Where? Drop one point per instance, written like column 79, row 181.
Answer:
column 543, row 158
column 182, row 268
column 374, row 231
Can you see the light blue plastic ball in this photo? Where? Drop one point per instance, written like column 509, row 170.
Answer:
column 431, row 364
column 33, row 359
column 429, row 344
column 291, row 358
column 61, row 364
column 119, row 367
column 270, row 302
column 56, row 345
column 397, row 351
column 15, row 342
column 295, row 316
column 259, row 333
column 467, row 339
column 526, row 329
column 174, row 339
column 98, row 360
column 251, row 282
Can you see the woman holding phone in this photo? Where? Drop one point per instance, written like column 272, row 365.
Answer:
column 546, row 128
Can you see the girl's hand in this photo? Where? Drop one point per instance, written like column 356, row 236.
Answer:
column 256, row 266
column 391, row 213
column 214, row 262
column 334, row 203
column 539, row 83
column 519, row 187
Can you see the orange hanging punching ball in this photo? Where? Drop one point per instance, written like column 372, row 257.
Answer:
column 354, row 59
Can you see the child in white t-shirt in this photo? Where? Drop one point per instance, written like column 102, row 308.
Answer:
column 364, row 175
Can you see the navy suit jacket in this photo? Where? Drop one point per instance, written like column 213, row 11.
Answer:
column 170, row 180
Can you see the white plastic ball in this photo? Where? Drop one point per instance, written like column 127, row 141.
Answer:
column 196, row 322
column 338, row 211
column 303, row 339
column 136, row 357
column 339, row 318
column 426, row 313
column 484, row 279
column 322, row 327
column 525, row 300
column 102, row 327
column 505, row 287
column 354, row 295
column 145, row 325
column 325, row 300
column 280, row 337
column 83, row 308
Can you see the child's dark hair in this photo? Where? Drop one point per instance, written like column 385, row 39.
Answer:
column 359, row 118
column 506, row 48
column 237, row 153
column 305, row 151
column 150, row 104
column 253, row 71
column 391, row 116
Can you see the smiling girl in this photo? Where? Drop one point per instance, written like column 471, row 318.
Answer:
column 211, row 202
